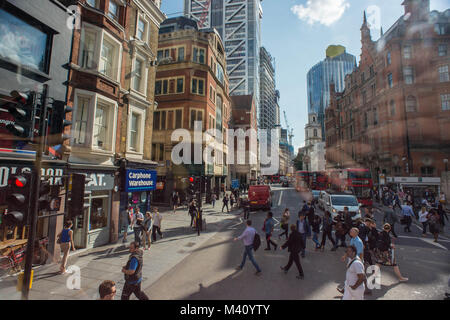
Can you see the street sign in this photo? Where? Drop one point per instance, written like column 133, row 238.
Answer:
column 235, row 184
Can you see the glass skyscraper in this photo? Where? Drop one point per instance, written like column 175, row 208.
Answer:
column 335, row 67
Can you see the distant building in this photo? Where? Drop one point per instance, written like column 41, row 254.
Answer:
column 337, row 64
column 314, row 150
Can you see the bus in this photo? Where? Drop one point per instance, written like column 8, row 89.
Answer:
column 301, row 181
column 357, row 180
column 318, row 180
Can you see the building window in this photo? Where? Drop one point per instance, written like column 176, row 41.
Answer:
column 163, row 120
column 442, row 50
column 178, row 119
column 100, row 134
column 134, row 131
column 93, row 3
column 441, row 28
column 113, row 10
column 375, row 117
column 23, row 43
column 180, row 85
column 156, row 120
column 427, row 171
column 445, row 101
column 443, row 74
column 219, row 73
column 366, row 120
column 198, row 86
column 408, row 75
column 411, row 104
column 199, row 55
column 158, row 87
column 161, row 152
column 181, row 54
column 363, row 77
column 364, row 97
column 81, row 121
column 388, row 58
column 88, row 50
column 373, row 89
column 315, row 133
column 107, row 59
column 389, row 79
column 141, row 30
column 137, row 81
column 196, row 115
column 407, row 52
column 371, row 71
column 392, row 107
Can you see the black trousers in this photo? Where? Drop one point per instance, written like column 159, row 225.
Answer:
column 285, row 227
column 225, row 204
column 192, row 219
column 246, row 214
column 393, row 230
column 408, row 223
column 128, row 289
column 269, row 241
column 293, row 257
column 156, row 229
column 325, row 234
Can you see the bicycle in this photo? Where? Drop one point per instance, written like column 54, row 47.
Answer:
column 14, row 261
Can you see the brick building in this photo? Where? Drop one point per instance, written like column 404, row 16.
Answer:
column 394, row 114
column 191, row 85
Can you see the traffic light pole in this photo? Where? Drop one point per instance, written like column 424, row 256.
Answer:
column 36, row 180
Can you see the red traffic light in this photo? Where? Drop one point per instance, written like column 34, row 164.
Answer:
column 19, row 181
column 191, row 179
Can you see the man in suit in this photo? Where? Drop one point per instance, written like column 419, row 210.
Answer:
column 294, row 244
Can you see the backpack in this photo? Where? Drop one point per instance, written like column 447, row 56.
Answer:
column 256, row 242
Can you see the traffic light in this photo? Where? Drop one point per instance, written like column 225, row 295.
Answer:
column 18, row 199
column 57, row 125
column 198, row 184
column 23, row 110
column 191, row 188
column 76, row 188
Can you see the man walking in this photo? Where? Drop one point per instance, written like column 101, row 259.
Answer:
column 248, row 237
column 213, row 199
column 269, row 223
column 294, row 244
column 355, row 276
column 391, row 217
column 133, row 274
column 156, row 224
column 408, row 213
column 225, row 203
column 192, row 211
column 304, row 230
column 175, row 201
column 137, row 226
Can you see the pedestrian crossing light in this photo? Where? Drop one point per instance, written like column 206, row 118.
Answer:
column 18, row 198
column 57, row 124
column 22, row 110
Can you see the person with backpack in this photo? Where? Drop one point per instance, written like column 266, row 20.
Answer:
column 269, row 224
column 294, row 244
column 251, row 242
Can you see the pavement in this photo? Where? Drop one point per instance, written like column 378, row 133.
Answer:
column 106, row 262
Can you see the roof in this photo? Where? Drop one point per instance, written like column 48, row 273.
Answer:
column 242, row 102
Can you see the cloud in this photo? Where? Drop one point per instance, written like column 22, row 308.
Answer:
column 325, row 12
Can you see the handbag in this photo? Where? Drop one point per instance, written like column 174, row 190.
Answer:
column 58, row 239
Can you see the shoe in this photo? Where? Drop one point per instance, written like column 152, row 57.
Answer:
column 340, row 289
column 403, row 279
column 284, row 270
column 267, row 249
column 238, row 268
column 257, row 273
column 301, row 277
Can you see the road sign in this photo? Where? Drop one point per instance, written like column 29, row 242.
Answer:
column 235, row 184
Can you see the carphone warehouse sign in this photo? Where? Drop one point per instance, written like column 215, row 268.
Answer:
column 140, row 180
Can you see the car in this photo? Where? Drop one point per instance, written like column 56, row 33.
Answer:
column 260, row 197
column 334, row 203
column 315, row 194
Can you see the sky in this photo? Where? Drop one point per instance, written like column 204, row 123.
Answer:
column 297, row 33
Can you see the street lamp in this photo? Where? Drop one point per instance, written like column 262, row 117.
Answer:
column 446, row 164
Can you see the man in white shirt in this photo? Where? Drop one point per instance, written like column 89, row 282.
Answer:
column 355, row 276
column 423, row 219
column 137, row 226
column 247, row 237
column 157, row 218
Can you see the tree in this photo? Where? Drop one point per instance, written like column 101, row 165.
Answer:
column 298, row 162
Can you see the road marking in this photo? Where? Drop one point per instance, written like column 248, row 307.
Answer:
column 433, row 243
column 281, row 195
column 235, row 225
column 409, row 237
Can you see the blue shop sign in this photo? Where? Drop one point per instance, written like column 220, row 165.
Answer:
column 140, row 180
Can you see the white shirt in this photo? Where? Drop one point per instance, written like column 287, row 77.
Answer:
column 442, row 197
column 351, row 276
column 423, row 216
column 137, row 216
column 157, row 219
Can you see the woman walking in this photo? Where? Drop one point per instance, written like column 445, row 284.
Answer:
column 269, row 223
column 327, row 226
column 65, row 238
column 423, row 218
column 285, row 223
column 156, row 224
column 434, row 223
column 384, row 253
column 315, row 226
column 147, row 228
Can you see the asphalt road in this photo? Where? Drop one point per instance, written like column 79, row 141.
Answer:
column 209, row 271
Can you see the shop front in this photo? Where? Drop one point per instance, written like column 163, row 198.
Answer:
column 137, row 188
column 97, row 224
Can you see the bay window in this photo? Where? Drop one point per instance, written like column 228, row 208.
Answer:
column 113, row 10
column 101, row 126
column 106, row 59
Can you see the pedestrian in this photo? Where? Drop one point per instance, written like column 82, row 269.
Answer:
column 246, row 205
column 65, row 240
column 340, row 230
column 407, row 216
column 310, row 213
column 434, row 223
column 384, row 253
column 213, row 199
column 368, row 213
column 269, row 224
column 357, row 243
column 198, row 220
column 365, row 234
column 157, row 219
column 231, row 200
column 397, row 201
column 225, row 203
column 175, row 201
column 294, row 244
column 442, row 199
column 391, row 217
column 248, row 237
column 147, row 230
column 354, row 277
column 315, row 226
column 423, row 218
column 192, row 212
column 442, row 215
column 327, row 226
column 137, row 226
column 125, row 223
column 284, row 224
column 133, row 274
column 348, row 221
column 304, row 230
column 305, row 207
column 107, row 290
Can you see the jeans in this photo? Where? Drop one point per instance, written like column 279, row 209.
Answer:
column 249, row 252
column 214, row 203
column 128, row 289
column 424, row 226
column 315, row 239
column 246, row 214
column 327, row 233
column 408, row 223
column 293, row 257
column 304, row 242
column 137, row 234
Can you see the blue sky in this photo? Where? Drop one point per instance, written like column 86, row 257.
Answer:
column 297, row 33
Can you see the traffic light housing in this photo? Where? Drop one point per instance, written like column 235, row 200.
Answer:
column 76, row 187
column 57, row 125
column 22, row 108
column 191, row 186
column 18, row 199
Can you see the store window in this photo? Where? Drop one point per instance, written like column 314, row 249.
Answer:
column 98, row 218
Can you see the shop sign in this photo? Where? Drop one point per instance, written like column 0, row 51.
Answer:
column 160, row 185
column 140, row 180
column 54, row 175
column 99, row 181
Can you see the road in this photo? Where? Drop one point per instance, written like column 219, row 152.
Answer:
column 209, row 271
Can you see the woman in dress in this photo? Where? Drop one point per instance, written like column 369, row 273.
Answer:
column 434, row 223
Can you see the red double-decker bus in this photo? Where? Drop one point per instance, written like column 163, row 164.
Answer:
column 357, row 180
column 301, row 181
column 318, row 180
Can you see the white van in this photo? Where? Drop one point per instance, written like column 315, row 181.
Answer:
column 334, row 202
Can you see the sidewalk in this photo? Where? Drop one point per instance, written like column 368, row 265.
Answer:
column 106, row 262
